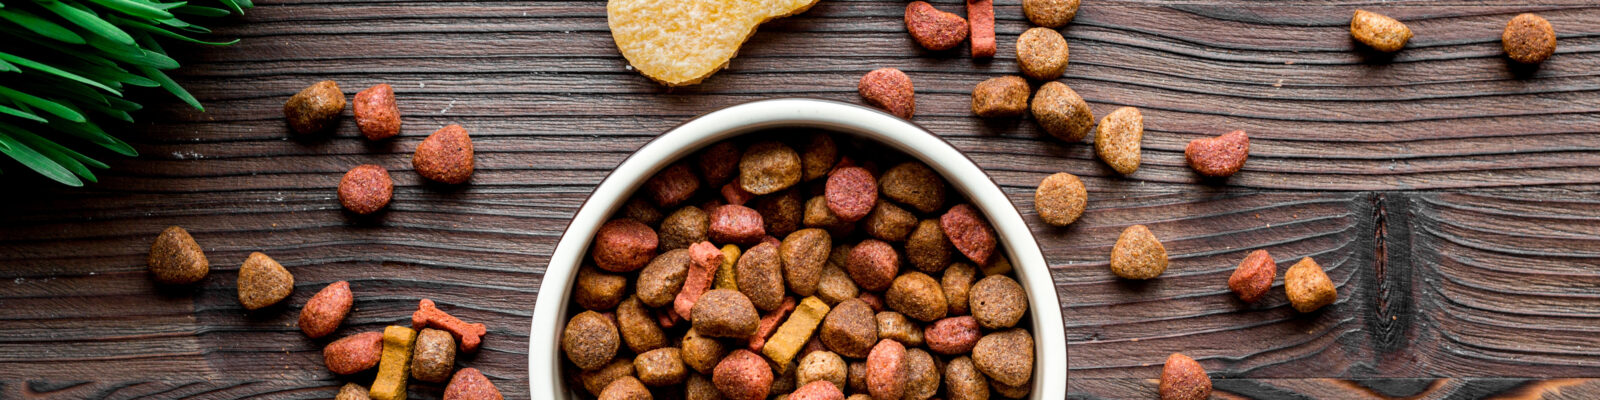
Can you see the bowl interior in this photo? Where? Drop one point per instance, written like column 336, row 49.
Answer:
column 963, row 175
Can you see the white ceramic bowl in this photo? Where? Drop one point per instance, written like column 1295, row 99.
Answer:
column 549, row 314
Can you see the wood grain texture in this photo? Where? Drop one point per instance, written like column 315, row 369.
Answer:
column 1450, row 195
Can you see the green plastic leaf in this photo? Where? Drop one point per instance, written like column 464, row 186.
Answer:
column 163, row 32
column 86, row 19
column 202, row 11
column 55, row 71
column 135, row 8
column 73, row 161
column 172, row 87
column 37, row 162
column 8, row 67
column 246, row 4
column 43, row 104
column 93, row 134
column 41, row 26
column 19, row 113
column 133, row 54
column 234, row 5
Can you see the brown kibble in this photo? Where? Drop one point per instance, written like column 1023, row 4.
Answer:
column 687, row 226
column 1001, row 97
column 1050, row 13
column 639, row 209
column 873, row 265
column 759, row 275
column 1010, row 391
column 1308, row 286
column 895, row 326
column 1253, row 277
column 326, row 310
column 445, row 156
column 957, row 283
column 1138, row 254
column 175, row 259
column 719, row 162
column 768, row 167
column 672, row 185
column 918, row 296
column 1183, row 379
column 724, row 313
column 376, row 114
column 804, row 254
column 927, row 249
column 434, row 356
column 590, row 340
column 734, row 224
column 922, row 375
column 915, row 185
column 886, row 370
column 638, row 328
column 660, row 367
column 699, row 387
column 354, row 353
column 1528, row 39
column 626, row 388
column 823, row 366
column 998, row 302
column 781, row 213
column 1379, row 31
column 963, row 381
column 623, row 245
column 818, row 157
column 1116, row 139
column 836, row 286
column 700, row 352
column 890, row 90
column 1042, row 53
column 850, row 329
column 817, row 215
column 1060, row 199
column 969, row 233
column 851, row 193
column 856, row 381
column 1220, row 156
column 315, row 109
column 469, row 384
column 889, row 222
column 597, row 290
column 263, row 282
column 352, row 391
column 1005, row 356
column 934, row 29
column 596, row 381
column 659, row 282
column 1061, row 112
column 743, row 375
column 365, row 189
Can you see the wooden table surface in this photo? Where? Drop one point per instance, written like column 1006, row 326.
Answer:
column 1453, row 197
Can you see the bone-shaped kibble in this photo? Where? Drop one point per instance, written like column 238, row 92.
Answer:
column 428, row 315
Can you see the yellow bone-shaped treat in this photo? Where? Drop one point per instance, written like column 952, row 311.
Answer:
column 681, row 42
column 724, row 278
column 795, row 332
column 395, row 365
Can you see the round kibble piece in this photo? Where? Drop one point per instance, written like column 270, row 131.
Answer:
column 1060, row 199
column 957, row 283
column 1253, row 277
column 890, row 90
column 638, row 328
column 743, row 375
column 873, row 265
column 817, row 215
column 735, row 224
column 1183, row 379
column 768, row 167
column 850, row 329
column 718, row 163
column 376, row 113
column 1042, row 53
column 175, row 258
column 1061, row 112
column 263, row 282
column 851, row 193
column 856, row 381
column 927, row 249
column 969, row 233
column 1138, row 254
column 660, row 367
column 952, row 336
column 596, row 381
column 1116, row 139
column 818, row 157
column 1379, row 31
column 889, row 222
column 804, row 254
column 365, row 189
column 918, row 296
column 817, row 391
column 672, row 185
column 639, row 209
column 963, row 381
column 626, row 388
column 922, row 375
column 1001, row 97
column 351, row 391
column 597, row 290
column 623, row 245
column 915, row 185
column 886, row 370
column 759, row 276
column 1010, row 391
column 315, row 108
column 1308, row 286
column 781, row 212
column 1050, row 13
column 1005, row 356
column 660, row 281
column 684, row 227
column 895, row 326
column 699, row 387
column 822, row 366
column 590, row 340
column 433, row 356
column 998, row 302
column 1528, row 39
column 836, row 286
column 700, row 352
column 354, row 353
column 323, row 313
column 724, row 313
column 445, row 156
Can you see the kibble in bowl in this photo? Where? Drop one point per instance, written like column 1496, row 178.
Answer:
column 865, row 138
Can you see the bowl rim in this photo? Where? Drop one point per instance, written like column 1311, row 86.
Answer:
column 1050, row 347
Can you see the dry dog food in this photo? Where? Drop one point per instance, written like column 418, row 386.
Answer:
column 626, row 388
column 1060, row 199
column 637, row 327
column 886, row 370
column 445, row 156
column 894, row 325
column 469, row 384
column 394, row 368
column 795, row 332
column 678, row 43
column 699, row 387
column 1061, row 112
column 700, row 352
column 1528, row 39
column 376, row 113
column 915, row 185
column 704, row 262
column 836, row 286
column 597, row 290
column 962, row 381
column 957, row 283
column 354, row 353
column 873, row 265
column 759, row 275
column 736, row 195
column 1042, row 53
column 818, row 156
column 1001, row 97
column 769, row 323
column 927, row 249
column 804, row 254
column 429, row 315
column 781, row 212
column 819, row 390
column 922, row 375
column 590, row 340
column 997, row 301
column 918, row 296
column 365, row 189
column 1116, row 139
column 735, row 224
column 1138, row 254
column 352, row 391
column 660, row 367
column 596, row 381
column 1005, row 356
column 1308, row 286
column 1050, row 13
column 1218, row 157
column 969, row 233
column 850, row 329
column 326, row 310
column 661, row 280
column 641, row 210
column 263, row 282
column 623, row 245
column 889, row 222
column 1253, row 277
column 434, row 356
column 743, row 375
column 954, row 335
column 890, row 90
column 823, row 366
column 934, row 29
column 175, row 259
column 1379, row 31
column 718, row 163
column 1183, row 379
column 724, row 313
column 981, row 12
column 672, row 185
column 768, row 167
column 851, row 193
column 1010, row 391
column 315, row 109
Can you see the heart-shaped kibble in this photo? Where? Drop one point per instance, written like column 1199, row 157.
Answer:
column 682, row 42
column 445, row 156
column 263, row 282
column 934, row 29
column 1183, row 379
column 1220, row 156
column 890, row 90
